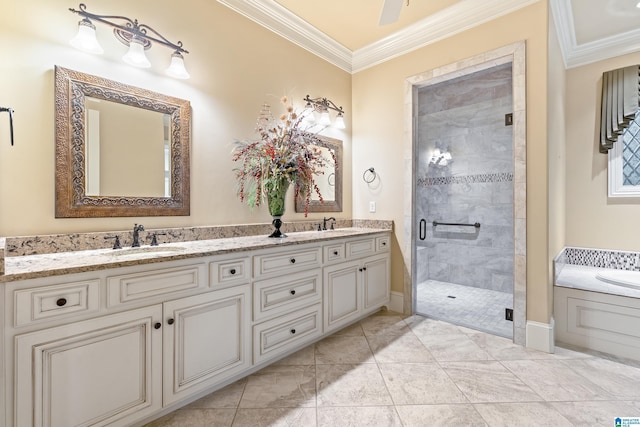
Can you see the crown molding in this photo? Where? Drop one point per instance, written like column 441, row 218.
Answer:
column 281, row 21
column 576, row 55
column 452, row 20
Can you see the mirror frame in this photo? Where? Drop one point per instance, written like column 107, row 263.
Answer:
column 328, row 205
column 71, row 88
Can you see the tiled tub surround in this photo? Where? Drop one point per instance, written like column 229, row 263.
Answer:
column 466, row 117
column 594, row 313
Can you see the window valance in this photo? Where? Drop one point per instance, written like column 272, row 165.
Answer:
column 620, row 100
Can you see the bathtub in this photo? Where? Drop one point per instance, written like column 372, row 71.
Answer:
column 628, row 279
column 598, row 308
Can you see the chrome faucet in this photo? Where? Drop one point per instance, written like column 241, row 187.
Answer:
column 324, row 222
column 136, row 236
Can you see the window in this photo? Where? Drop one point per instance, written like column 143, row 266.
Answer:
column 624, row 162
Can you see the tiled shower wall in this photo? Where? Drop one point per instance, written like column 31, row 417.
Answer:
column 466, row 117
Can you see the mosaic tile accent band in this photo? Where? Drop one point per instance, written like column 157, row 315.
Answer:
column 618, row 260
column 465, row 179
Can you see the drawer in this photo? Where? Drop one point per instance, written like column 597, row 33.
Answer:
column 282, row 334
column 361, row 247
column 285, row 294
column 334, row 253
column 229, row 272
column 287, row 261
column 383, row 244
column 137, row 286
column 53, row 301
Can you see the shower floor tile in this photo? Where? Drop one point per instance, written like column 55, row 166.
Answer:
column 476, row 308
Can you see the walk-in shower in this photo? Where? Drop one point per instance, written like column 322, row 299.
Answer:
column 463, row 200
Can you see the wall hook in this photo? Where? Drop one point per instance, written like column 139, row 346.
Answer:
column 10, row 111
column 369, row 175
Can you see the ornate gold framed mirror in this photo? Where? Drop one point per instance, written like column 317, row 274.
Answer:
column 120, row 150
column 330, row 182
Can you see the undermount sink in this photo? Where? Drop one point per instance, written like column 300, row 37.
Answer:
column 155, row 250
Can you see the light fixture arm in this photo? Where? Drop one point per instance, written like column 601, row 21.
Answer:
column 323, row 104
column 129, row 27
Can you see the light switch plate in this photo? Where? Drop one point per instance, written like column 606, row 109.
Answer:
column 372, row 206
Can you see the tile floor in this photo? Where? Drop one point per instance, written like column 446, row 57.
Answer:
column 392, row 370
column 482, row 309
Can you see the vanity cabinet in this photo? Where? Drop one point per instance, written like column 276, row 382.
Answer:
column 118, row 346
column 359, row 286
column 101, row 371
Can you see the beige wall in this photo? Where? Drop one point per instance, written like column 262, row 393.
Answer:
column 593, row 220
column 378, row 93
column 235, row 66
column 556, row 95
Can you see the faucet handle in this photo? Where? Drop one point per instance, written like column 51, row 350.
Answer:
column 154, row 238
column 116, row 243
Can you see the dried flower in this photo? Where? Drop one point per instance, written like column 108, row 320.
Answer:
column 285, row 152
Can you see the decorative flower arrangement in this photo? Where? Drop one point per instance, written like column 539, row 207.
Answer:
column 285, row 154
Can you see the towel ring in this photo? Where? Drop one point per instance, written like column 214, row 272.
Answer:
column 369, row 175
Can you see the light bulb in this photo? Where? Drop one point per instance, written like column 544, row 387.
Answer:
column 324, row 118
column 135, row 56
column 339, row 122
column 176, row 68
column 86, row 40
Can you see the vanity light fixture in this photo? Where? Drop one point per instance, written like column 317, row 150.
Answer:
column 322, row 107
column 138, row 37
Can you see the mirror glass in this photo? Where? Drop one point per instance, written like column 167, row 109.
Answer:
column 330, row 182
column 120, row 150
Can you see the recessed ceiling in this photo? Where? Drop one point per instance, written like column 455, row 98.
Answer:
column 346, row 32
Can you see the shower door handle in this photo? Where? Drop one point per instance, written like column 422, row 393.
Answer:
column 423, row 229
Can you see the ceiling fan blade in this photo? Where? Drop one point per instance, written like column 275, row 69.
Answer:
column 390, row 11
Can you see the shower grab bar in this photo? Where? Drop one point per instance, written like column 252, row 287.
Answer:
column 476, row 224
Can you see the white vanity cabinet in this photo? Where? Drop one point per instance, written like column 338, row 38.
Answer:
column 96, row 372
column 358, row 286
column 118, row 346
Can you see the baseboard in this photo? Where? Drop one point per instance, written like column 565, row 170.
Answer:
column 540, row 336
column 397, row 302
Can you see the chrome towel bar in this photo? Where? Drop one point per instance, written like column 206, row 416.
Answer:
column 437, row 223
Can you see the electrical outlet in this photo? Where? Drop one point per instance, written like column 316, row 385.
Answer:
column 372, row 206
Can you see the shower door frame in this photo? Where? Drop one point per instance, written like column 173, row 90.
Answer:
column 514, row 54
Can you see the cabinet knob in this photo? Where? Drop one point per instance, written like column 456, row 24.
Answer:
column 359, row 269
column 293, row 260
column 384, row 243
column 171, row 321
column 232, row 271
column 364, row 268
column 61, row 302
column 157, row 325
column 292, row 291
column 335, row 252
column 293, row 331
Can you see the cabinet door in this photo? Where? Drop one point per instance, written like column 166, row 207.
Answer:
column 206, row 340
column 101, row 371
column 375, row 281
column 342, row 294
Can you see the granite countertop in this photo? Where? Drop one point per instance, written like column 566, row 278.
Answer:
column 53, row 264
column 584, row 278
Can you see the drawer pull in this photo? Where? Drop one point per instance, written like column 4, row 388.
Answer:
column 364, row 268
column 359, row 269
column 335, row 253
column 384, row 243
column 232, row 271
column 293, row 331
column 293, row 260
column 61, row 302
column 157, row 325
column 292, row 291
column 171, row 321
